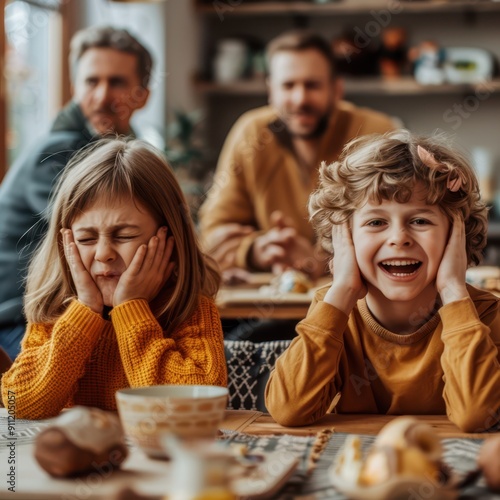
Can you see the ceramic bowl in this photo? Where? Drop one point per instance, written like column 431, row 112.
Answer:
column 190, row 412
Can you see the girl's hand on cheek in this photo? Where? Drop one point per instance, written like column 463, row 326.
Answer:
column 450, row 279
column 149, row 270
column 348, row 285
column 86, row 288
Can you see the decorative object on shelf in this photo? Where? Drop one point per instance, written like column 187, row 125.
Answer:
column 428, row 59
column 483, row 165
column 258, row 64
column 355, row 54
column 467, row 65
column 393, row 59
column 138, row 1
column 231, row 60
column 458, row 65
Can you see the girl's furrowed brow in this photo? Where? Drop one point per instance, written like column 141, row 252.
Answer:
column 115, row 228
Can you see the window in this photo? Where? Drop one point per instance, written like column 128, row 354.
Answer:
column 32, row 60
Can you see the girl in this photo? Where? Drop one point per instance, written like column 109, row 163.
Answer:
column 398, row 331
column 118, row 294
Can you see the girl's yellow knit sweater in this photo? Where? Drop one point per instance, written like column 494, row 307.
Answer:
column 83, row 359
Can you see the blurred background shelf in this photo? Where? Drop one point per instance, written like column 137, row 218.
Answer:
column 405, row 86
column 246, row 8
column 468, row 113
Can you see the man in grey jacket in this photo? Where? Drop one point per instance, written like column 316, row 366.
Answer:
column 110, row 76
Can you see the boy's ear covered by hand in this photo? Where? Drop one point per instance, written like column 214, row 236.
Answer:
column 450, row 279
column 348, row 285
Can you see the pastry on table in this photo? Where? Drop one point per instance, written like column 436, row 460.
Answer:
column 486, row 277
column 406, row 453
column 293, row 281
column 81, row 440
column 404, row 447
column 350, row 460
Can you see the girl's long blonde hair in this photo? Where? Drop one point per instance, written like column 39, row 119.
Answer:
column 109, row 170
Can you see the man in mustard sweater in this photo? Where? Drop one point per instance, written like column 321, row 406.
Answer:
column 255, row 216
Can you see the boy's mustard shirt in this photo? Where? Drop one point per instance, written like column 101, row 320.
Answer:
column 83, row 359
column 450, row 365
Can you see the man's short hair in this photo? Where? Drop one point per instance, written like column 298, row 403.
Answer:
column 298, row 40
column 111, row 38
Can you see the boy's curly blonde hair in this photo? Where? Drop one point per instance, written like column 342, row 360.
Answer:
column 387, row 167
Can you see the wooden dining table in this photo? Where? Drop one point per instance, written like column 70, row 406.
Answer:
column 354, row 424
column 261, row 298
column 148, row 476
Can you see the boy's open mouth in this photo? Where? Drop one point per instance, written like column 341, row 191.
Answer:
column 400, row 267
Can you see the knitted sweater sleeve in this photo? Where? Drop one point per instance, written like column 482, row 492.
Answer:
column 192, row 354
column 45, row 375
column 471, row 365
column 313, row 358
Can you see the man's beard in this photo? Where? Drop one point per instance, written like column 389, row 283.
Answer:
column 318, row 131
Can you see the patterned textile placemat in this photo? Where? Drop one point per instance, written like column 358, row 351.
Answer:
column 459, row 454
column 22, row 431
column 300, row 446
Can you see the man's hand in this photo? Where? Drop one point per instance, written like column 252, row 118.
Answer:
column 87, row 291
column 282, row 248
column 149, row 270
column 348, row 285
column 235, row 276
column 223, row 243
column 450, row 279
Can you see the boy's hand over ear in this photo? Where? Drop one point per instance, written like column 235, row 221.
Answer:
column 149, row 270
column 348, row 285
column 86, row 288
column 450, row 279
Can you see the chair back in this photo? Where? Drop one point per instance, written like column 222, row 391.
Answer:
column 249, row 365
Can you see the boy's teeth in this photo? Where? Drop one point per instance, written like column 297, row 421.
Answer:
column 399, row 262
column 401, row 267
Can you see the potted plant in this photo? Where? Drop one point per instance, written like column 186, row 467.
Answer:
column 186, row 153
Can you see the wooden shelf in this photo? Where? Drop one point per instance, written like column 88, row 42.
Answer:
column 406, row 86
column 347, row 7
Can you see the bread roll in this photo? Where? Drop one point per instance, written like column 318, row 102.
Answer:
column 405, row 446
column 81, row 440
column 293, row 281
